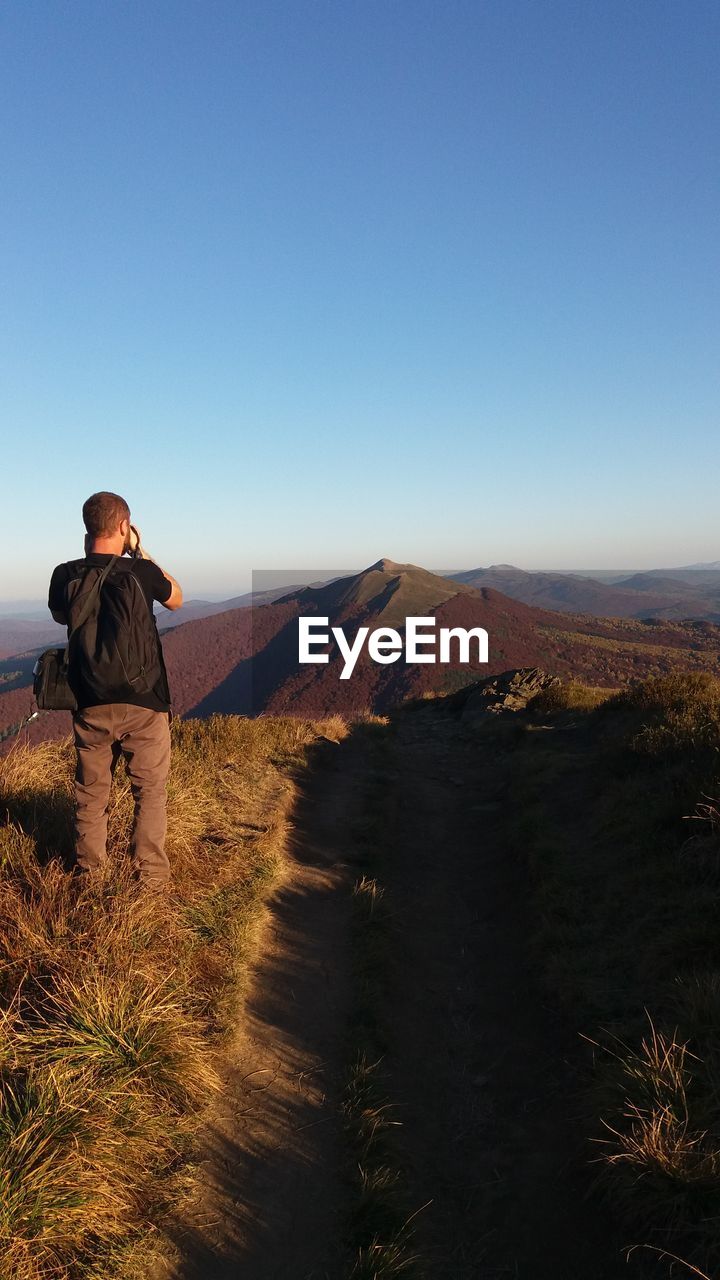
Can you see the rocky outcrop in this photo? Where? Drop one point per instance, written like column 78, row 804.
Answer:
column 510, row 691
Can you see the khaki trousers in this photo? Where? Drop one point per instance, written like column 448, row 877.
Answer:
column 102, row 734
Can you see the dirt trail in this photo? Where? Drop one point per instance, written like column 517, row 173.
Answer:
column 272, row 1203
column 478, row 1066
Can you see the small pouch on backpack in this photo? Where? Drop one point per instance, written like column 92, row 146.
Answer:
column 51, row 689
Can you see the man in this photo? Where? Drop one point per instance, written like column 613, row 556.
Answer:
column 139, row 728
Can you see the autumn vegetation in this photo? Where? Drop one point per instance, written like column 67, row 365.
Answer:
column 115, row 1003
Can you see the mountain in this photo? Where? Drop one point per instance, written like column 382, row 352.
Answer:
column 711, row 564
column 658, row 582
column 35, row 629
column 658, row 593
column 245, row 660
column 19, row 635
column 565, row 592
column 392, row 591
column 700, row 578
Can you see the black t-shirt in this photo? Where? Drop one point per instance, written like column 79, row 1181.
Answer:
column 155, row 587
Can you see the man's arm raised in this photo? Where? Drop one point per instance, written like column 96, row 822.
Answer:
column 175, row 599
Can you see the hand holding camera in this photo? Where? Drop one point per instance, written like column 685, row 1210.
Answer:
column 134, row 547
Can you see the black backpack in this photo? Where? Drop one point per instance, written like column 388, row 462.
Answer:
column 113, row 649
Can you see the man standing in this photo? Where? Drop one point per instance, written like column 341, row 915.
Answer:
column 139, row 728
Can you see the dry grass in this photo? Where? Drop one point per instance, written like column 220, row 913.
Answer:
column 569, row 695
column 113, row 1003
column 657, row 1140
column 679, row 713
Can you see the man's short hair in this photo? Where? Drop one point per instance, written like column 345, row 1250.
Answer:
column 103, row 512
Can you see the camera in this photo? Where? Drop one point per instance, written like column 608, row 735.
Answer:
column 134, row 551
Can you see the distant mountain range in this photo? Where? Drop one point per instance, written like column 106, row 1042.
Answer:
column 692, row 592
column 244, row 660
column 32, row 627
column 17, row 636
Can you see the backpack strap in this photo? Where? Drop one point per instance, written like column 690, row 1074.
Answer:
column 89, row 602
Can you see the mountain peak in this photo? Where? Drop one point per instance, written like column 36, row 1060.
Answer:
column 386, row 565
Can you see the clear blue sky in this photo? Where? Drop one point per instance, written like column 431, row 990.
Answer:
column 316, row 282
